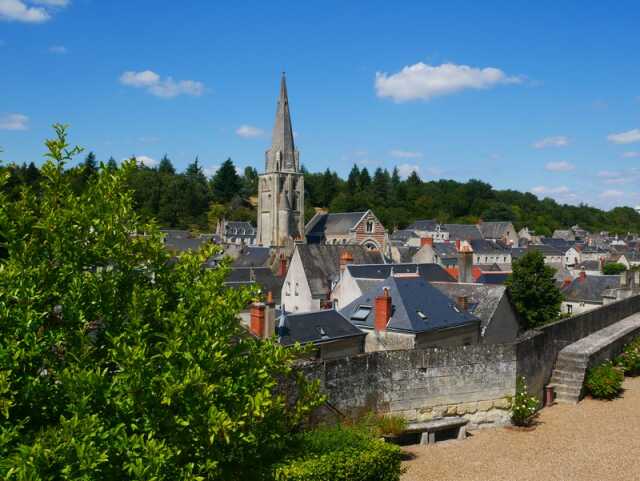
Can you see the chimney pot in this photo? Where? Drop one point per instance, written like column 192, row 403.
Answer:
column 282, row 266
column 345, row 259
column 426, row 241
column 567, row 281
column 383, row 310
column 583, row 275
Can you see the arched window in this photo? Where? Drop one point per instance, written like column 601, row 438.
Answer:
column 369, row 226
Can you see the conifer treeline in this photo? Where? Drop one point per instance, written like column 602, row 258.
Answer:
column 190, row 199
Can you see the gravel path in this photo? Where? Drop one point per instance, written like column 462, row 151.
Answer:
column 591, row 441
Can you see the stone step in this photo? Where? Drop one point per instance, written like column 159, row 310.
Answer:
column 564, row 365
column 567, row 394
column 559, row 376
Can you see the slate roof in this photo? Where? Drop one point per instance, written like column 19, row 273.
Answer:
column 546, row 250
column 495, row 230
column 182, row 244
column 417, row 306
column 560, row 244
column 495, row 278
column 483, row 300
column 429, row 272
column 482, row 246
column 588, row 266
column 323, row 224
column 321, row 263
column 517, row 252
column 403, row 235
column 589, row 289
column 317, row 327
column 407, row 253
column 253, row 256
column 428, row 225
column 262, row 276
column 445, row 249
column 463, row 231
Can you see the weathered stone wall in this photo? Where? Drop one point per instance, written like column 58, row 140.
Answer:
column 472, row 381
column 537, row 350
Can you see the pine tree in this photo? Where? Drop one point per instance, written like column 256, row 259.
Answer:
column 226, row 182
column 165, row 166
column 353, row 181
column 112, row 164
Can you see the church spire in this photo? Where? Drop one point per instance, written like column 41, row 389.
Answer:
column 282, row 155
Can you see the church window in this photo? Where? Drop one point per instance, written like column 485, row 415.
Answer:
column 369, row 226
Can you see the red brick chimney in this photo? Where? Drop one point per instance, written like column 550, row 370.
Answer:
column 282, row 266
column 463, row 303
column 583, row 275
column 458, row 245
column 426, row 241
column 383, row 310
column 257, row 319
column 345, row 259
column 269, row 297
column 567, row 281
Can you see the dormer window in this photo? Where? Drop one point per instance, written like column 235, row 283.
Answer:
column 361, row 313
column 422, row 315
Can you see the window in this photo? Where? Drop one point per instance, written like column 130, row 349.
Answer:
column 422, row 315
column 295, row 291
column 288, row 291
column 369, row 226
column 569, row 308
column 361, row 313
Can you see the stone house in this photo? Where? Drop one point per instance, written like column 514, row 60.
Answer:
column 429, row 228
column 571, row 257
column 442, row 253
column 347, row 228
column 499, row 231
column 406, row 312
column 313, row 272
column 586, row 292
column 593, row 253
column 552, row 255
column 489, row 303
column 491, row 252
column 236, row 232
column 355, row 280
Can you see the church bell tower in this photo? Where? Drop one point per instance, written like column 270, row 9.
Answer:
column 281, row 187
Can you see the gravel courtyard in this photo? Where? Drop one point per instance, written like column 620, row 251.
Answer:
column 592, row 441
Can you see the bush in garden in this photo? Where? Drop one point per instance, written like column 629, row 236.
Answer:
column 523, row 407
column 604, row 381
column 629, row 359
column 341, row 454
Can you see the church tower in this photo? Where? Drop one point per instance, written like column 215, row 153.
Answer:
column 281, row 187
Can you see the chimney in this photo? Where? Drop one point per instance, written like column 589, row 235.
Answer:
column 269, row 297
column 269, row 320
column 583, row 275
column 383, row 310
column 426, row 241
column 463, row 303
column 602, row 264
column 257, row 325
column 458, row 245
column 567, row 281
column 345, row 259
column 465, row 262
column 282, row 266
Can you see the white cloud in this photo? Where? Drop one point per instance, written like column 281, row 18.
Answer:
column 58, row 49
column 211, row 170
column 405, row 170
column 405, row 154
column 14, row 122
column 612, row 194
column 625, row 137
column 631, row 155
column 541, row 189
column 53, row 3
column 422, row 81
column 146, row 161
column 249, row 131
column 561, row 166
column 166, row 88
column 19, row 11
column 556, row 141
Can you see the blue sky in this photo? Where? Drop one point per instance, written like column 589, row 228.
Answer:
column 538, row 96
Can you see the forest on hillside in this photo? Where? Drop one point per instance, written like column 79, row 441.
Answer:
column 191, row 200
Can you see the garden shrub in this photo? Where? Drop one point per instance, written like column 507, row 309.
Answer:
column 629, row 359
column 341, row 454
column 523, row 406
column 390, row 424
column 604, row 381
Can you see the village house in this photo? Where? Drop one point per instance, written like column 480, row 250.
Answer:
column 552, row 255
column 463, row 232
column 490, row 252
column 429, row 228
column 313, row 272
column 236, row 232
column 585, row 292
column 347, row 228
column 499, row 231
column 442, row 253
column 406, row 312
column 355, row 280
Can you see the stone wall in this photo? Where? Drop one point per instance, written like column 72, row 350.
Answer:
column 472, row 381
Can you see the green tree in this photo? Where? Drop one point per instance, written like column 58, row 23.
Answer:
column 116, row 364
column 165, row 166
column 533, row 291
column 226, row 182
column 112, row 164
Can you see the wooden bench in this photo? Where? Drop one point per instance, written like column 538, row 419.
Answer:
column 428, row 430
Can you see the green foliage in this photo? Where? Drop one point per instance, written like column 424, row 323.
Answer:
column 523, row 407
column 341, row 454
column 605, row 381
column 629, row 359
column 226, row 183
column 533, row 291
column 390, row 424
column 116, row 364
column 613, row 269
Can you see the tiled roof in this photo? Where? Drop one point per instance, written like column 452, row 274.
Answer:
column 261, row 276
column 316, row 327
column 463, row 231
column 332, row 224
column 253, row 256
column 495, row 230
column 589, row 288
column 428, row 225
column 417, row 306
column 429, row 272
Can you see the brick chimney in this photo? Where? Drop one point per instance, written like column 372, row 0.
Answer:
column 383, row 310
column 282, row 266
column 583, row 276
column 463, row 303
column 458, row 243
column 465, row 262
column 567, row 281
column 426, row 241
column 345, row 259
column 257, row 325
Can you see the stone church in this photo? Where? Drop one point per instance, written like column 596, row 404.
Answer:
column 281, row 187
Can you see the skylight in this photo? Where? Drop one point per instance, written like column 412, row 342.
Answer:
column 422, row 315
column 361, row 313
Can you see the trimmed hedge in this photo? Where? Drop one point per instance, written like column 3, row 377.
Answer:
column 341, row 454
column 605, row 381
